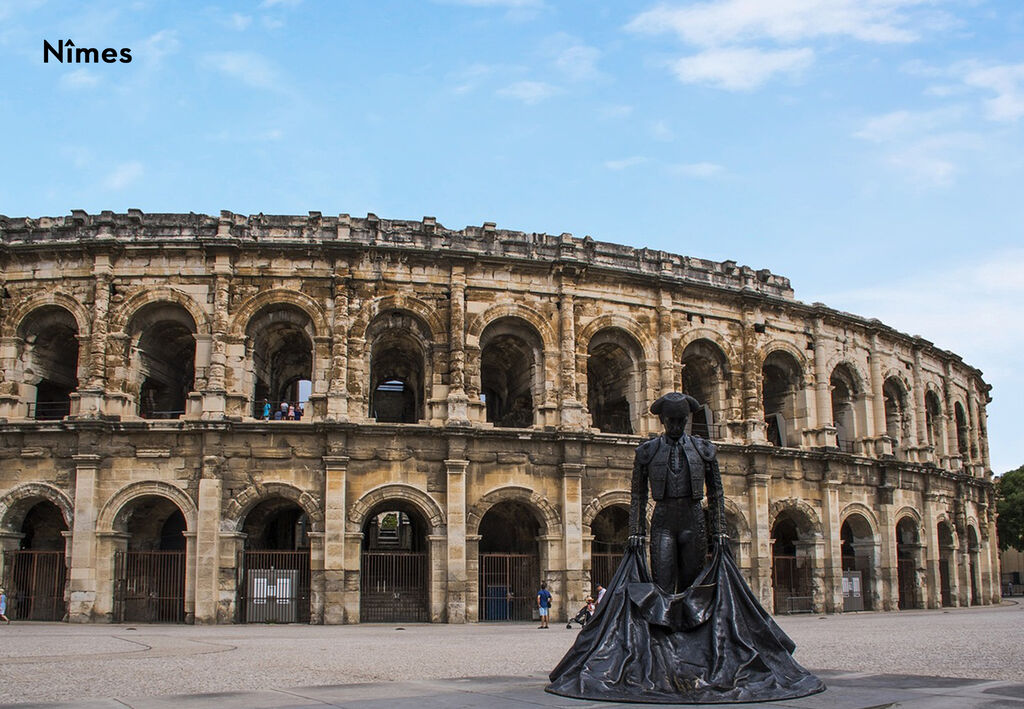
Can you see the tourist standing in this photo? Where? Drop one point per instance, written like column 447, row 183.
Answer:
column 544, row 604
column 3, row 607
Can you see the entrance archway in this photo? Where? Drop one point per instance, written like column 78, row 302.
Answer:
column 792, row 565
column 973, row 566
column 35, row 574
column 394, row 584
column 858, row 553
column 611, row 530
column 947, row 563
column 149, row 572
column 908, row 546
column 275, row 564
column 509, row 562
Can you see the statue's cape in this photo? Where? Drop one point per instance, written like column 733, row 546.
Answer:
column 712, row 643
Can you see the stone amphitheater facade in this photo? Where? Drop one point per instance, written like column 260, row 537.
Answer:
column 468, row 398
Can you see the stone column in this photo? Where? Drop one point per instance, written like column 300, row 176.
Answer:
column 878, row 428
column 572, row 410
column 11, row 405
column 933, row 584
column 667, row 366
column 575, row 590
column 473, row 577
column 353, row 559
column 232, row 545
column 458, row 579
column 761, row 538
column 822, row 389
column 316, row 581
column 207, row 549
column 458, row 402
column 833, row 544
column 920, row 407
column 888, row 570
column 190, row 577
column 973, row 437
column 91, row 391
column 754, row 426
column 983, row 441
column 215, row 396
column 337, row 390
column 83, row 542
column 335, row 483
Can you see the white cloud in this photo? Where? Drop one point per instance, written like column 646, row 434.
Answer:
column 660, row 130
column 701, row 170
column 470, row 78
column 248, row 68
column 616, row 111
column 276, row 3
column 80, row 79
column 741, row 69
column 529, row 92
column 513, row 4
column 123, row 175
column 903, row 123
column 578, row 62
column 238, row 21
column 1007, row 82
column 625, row 162
column 726, row 22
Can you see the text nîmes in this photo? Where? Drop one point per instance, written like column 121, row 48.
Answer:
column 67, row 53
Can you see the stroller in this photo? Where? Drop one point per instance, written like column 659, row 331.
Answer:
column 584, row 615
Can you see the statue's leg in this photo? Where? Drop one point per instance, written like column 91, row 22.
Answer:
column 663, row 548
column 692, row 545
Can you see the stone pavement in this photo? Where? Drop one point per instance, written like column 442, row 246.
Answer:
column 951, row 658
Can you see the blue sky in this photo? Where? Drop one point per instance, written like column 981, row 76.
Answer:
column 869, row 150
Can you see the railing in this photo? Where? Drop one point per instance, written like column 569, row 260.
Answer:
column 35, row 581
column 275, row 587
column 149, row 586
column 508, row 586
column 394, row 587
column 712, row 432
column 847, row 446
column 49, row 410
column 172, row 414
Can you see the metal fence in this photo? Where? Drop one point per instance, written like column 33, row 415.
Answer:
column 275, row 587
column 791, row 582
column 508, row 586
column 49, row 410
column 603, row 566
column 394, row 587
column 35, row 581
column 149, row 586
column 907, row 573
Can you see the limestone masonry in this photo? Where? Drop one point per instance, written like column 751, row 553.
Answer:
column 468, row 405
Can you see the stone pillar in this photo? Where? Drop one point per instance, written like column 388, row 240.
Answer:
column 667, row 366
column 933, row 583
column 335, row 483
column 982, row 440
column 754, row 426
column 888, row 570
column 880, row 427
column 353, row 559
column 833, row 544
column 572, row 410
column 458, row 402
column 232, row 545
column 473, row 577
column 91, row 395
column 920, row 407
column 190, row 577
column 458, row 579
column 973, row 431
column 438, row 577
column 83, row 542
column 317, row 583
column 761, row 538
column 575, row 589
column 337, row 390
column 822, row 388
column 207, row 549
column 215, row 396
column 11, row 405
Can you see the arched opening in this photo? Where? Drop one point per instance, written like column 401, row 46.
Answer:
column 705, row 377
column 613, row 381
column 908, row 547
column 947, row 564
column 973, row 566
column 281, row 338
column 858, row 552
column 149, row 585
column 933, row 422
column 397, row 368
column 394, row 584
column 49, row 358
column 781, row 381
column 35, row 575
column 792, row 564
column 509, row 562
column 610, row 529
column 961, row 430
column 275, row 564
column 162, row 359
column 844, row 391
column 897, row 416
column 510, row 351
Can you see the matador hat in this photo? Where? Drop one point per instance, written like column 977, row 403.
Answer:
column 675, row 404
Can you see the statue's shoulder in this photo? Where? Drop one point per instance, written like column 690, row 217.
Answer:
column 705, row 448
column 646, row 450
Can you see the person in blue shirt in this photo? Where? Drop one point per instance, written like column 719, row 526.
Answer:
column 3, row 607
column 544, row 604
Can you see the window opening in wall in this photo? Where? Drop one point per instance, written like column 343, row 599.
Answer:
column 961, row 429
column 397, row 376
column 611, row 385
column 780, row 375
column 843, row 390
column 703, row 378
column 897, row 418
column 165, row 354
column 282, row 358
column 49, row 357
column 933, row 421
column 508, row 374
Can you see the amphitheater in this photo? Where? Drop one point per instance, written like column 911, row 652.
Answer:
column 468, row 403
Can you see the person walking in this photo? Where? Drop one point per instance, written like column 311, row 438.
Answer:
column 544, row 604
column 3, row 607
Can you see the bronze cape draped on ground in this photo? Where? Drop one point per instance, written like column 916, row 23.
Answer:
column 712, row 643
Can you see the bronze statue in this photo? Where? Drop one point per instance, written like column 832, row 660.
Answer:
column 678, row 468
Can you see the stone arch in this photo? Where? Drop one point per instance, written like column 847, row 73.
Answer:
column 618, row 370
column 733, row 512
column 705, row 333
column 109, row 516
column 149, row 296
column 857, row 374
column 17, row 501
column 908, row 511
column 242, row 504
column 790, row 349
column 279, row 296
column 864, row 511
column 604, row 501
column 475, row 328
column 414, row 306
column 546, row 515
column 23, row 310
column 947, row 519
column 611, row 321
column 803, row 514
column 396, row 491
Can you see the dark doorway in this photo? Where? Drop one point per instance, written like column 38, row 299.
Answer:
column 149, row 575
column 791, row 573
column 611, row 530
column 394, row 585
column 36, row 574
column 275, row 564
column 907, row 549
column 509, row 562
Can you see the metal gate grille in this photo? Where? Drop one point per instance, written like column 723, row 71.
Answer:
column 791, row 582
column 394, row 587
column 603, row 566
column 906, row 570
column 944, row 584
column 508, row 586
column 149, row 586
column 34, row 581
column 275, row 587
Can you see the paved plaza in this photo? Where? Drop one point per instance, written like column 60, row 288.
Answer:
column 951, row 658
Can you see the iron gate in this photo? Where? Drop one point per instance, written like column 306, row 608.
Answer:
column 603, row 566
column 791, row 582
column 149, row 586
column 34, row 581
column 393, row 587
column 275, row 587
column 907, row 572
column 508, row 586
column 944, row 583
